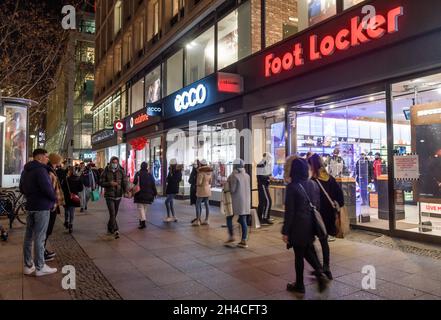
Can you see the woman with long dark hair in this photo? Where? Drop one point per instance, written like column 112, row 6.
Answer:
column 329, row 191
column 72, row 187
column 146, row 192
column 174, row 178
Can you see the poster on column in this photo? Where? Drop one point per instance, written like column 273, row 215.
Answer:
column 14, row 148
column 407, row 167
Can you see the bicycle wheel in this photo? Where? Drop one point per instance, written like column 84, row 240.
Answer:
column 20, row 213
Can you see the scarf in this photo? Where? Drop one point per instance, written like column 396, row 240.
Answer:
column 323, row 175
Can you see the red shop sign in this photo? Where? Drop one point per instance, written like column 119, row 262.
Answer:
column 119, row 125
column 357, row 33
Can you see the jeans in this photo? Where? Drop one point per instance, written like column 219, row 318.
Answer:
column 36, row 227
column 85, row 197
column 199, row 202
column 112, row 206
column 308, row 253
column 69, row 214
column 169, row 204
column 142, row 210
column 243, row 223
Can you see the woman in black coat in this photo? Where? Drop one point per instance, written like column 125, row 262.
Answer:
column 71, row 186
column 328, row 182
column 173, row 180
column 298, row 227
column 146, row 194
column 192, row 181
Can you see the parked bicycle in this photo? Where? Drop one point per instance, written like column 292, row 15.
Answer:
column 12, row 205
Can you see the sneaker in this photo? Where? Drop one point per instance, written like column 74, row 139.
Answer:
column 167, row 219
column 242, row 244
column 266, row 221
column 196, row 223
column 331, row 239
column 46, row 270
column 49, row 253
column 229, row 241
column 28, row 270
column 174, row 219
column 205, row 223
column 116, row 234
column 49, row 256
column 294, row 287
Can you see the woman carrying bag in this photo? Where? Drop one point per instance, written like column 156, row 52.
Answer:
column 144, row 192
column 238, row 189
column 72, row 186
column 331, row 200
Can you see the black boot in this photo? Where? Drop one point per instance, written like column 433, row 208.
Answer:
column 327, row 272
column 322, row 281
column 296, row 287
column 66, row 225
column 142, row 225
column 70, row 228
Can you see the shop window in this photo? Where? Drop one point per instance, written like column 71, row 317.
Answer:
column 177, row 6
column 153, row 86
column 200, row 57
column 351, row 138
column 350, row 3
column 239, row 34
column 137, row 101
column 174, row 67
column 118, row 16
column 268, row 132
column 417, row 154
column 285, row 18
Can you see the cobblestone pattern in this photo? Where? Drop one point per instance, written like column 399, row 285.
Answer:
column 90, row 282
column 395, row 244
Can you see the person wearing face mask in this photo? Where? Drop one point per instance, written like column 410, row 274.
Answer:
column 115, row 184
column 264, row 169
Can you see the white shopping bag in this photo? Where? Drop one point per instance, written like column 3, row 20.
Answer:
column 255, row 219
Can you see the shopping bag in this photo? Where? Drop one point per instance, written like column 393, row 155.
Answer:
column 255, row 219
column 94, row 195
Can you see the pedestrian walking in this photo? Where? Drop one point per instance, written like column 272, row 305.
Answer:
column 203, row 192
column 144, row 192
column 240, row 189
column 54, row 161
column 35, row 184
column 72, row 187
column 173, row 180
column 331, row 199
column 192, row 181
column 115, row 184
column 89, row 182
column 298, row 227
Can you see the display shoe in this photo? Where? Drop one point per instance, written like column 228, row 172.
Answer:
column 297, row 288
column 46, row 270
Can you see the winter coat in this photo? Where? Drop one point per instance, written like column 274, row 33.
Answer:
column 88, row 178
column 147, row 193
column 36, row 185
column 75, row 186
column 203, row 182
column 299, row 222
column 118, row 176
column 173, row 180
column 57, row 187
column 326, row 210
column 240, row 189
column 192, row 181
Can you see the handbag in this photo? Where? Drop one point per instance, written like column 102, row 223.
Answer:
column 319, row 225
column 226, row 202
column 74, row 198
column 337, row 211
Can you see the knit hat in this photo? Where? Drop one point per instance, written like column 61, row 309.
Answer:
column 299, row 170
column 238, row 164
column 55, row 159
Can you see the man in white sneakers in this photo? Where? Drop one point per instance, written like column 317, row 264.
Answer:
column 36, row 185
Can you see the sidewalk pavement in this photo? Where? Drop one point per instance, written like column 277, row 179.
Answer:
column 179, row 261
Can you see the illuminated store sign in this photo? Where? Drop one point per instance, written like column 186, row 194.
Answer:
column 154, row 109
column 102, row 135
column 118, row 125
column 229, row 82
column 357, row 33
column 191, row 98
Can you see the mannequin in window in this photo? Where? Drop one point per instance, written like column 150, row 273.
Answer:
column 264, row 172
column 336, row 164
column 363, row 175
column 377, row 168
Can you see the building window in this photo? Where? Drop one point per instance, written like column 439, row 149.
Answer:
column 137, row 96
column 200, row 57
column 174, row 67
column 285, row 18
column 239, row 34
column 350, row 3
column 153, row 86
column 87, row 26
column 117, row 59
column 118, row 16
column 155, row 18
column 177, row 5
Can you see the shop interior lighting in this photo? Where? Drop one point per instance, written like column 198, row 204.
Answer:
column 293, row 19
column 32, row 136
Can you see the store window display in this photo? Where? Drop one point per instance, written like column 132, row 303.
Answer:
column 417, row 107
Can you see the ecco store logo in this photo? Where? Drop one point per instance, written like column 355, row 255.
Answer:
column 152, row 109
column 191, row 98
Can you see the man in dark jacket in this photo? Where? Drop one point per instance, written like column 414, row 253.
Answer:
column 36, row 185
column 114, row 181
column 299, row 225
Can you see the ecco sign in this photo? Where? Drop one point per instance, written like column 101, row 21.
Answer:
column 356, row 34
column 191, row 98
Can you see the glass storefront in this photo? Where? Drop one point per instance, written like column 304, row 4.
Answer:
column 200, row 57
column 137, row 97
column 417, row 154
column 153, row 86
column 216, row 143
column 174, row 69
column 152, row 155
